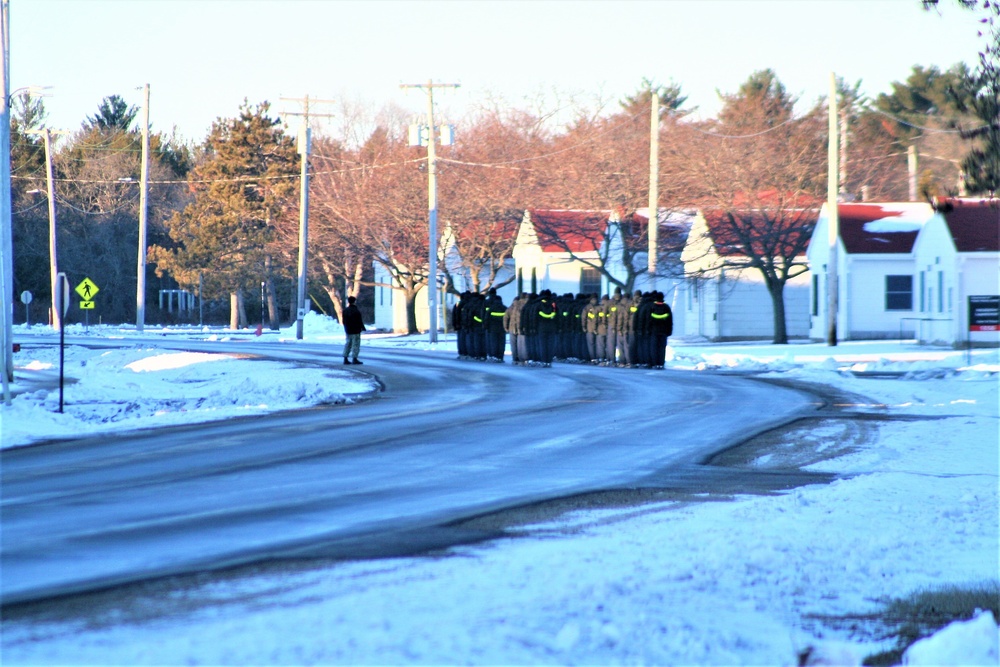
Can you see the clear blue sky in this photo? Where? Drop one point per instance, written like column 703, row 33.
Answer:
column 202, row 58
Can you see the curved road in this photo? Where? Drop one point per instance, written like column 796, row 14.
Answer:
column 445, row 440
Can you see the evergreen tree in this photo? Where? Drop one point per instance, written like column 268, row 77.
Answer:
column 982, row 165
column 244, row 188
column 671, row 99
column 113, row 114
column 928, row 92
column 29, row 213
column 760, row 101
column 27, row 148
column 981, row 99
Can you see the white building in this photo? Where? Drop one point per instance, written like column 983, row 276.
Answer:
column 907, row 270
column 557, row 250
column 390, row 304
column 562, row 250
column 956, row 256
column 720, row 302
column 875, row 270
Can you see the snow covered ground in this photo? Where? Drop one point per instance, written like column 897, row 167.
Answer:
column 746, row 581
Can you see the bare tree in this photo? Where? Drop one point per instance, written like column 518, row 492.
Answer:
column 760, row 173
column 487, row 179
column 374, row 206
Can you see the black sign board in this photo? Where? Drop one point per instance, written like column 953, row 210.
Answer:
column 984, row 313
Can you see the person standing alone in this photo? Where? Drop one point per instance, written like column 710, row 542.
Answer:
column 353, row 326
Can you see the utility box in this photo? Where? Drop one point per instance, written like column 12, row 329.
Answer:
column 418, row 135
column 447, row 134
column 305, row 140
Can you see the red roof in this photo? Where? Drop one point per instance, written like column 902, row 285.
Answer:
column 569, row 231
column 881, row 228
column 502, row 228
column 974, row 223
column 672, row 236
column 781, row 234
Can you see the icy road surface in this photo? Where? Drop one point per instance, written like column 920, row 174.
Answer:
column 445, row 440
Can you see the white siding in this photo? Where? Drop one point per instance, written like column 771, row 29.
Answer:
column 863, row 297
column 950, row 278
column 735, row 305
column 935, row 262
column 561, row 274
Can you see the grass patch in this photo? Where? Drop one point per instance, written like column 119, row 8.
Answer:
column 925, row 612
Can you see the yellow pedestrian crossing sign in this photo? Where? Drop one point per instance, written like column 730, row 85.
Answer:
column 86, row 305
column 87, row 289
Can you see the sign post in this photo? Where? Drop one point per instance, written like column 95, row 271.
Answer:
column 26, row 299
column 87, row 290
column 62, row 303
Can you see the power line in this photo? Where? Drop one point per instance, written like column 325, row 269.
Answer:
column 124, row 205
column 749, row 136
column 928, row 129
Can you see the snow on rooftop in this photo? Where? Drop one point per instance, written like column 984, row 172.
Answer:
column 892, row 226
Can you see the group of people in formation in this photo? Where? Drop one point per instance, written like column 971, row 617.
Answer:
column 612, row 330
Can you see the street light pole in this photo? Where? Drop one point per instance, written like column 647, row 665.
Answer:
column 432, row 305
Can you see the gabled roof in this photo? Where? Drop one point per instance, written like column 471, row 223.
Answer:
column 500, row 228
column 792, row 230
column 881, row 228
column 568, row 230
column 974, row 223
column 673, row 229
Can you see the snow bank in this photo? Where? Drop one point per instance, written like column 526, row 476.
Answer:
column 748, row 580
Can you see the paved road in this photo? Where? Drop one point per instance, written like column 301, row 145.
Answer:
column 446, row 440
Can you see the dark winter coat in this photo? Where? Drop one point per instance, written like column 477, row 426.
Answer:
column 353, row 323
column 662, row 320
column 547, row 313
column 494, row 314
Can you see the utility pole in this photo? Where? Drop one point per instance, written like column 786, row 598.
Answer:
column 53, row 241
column 6, row 227
column 654, row 182
column 833, row 237
column 842, row 184
column 140, row 273
column 53, row 250
column 431, row 199
column 305, row 142
column 912, row 166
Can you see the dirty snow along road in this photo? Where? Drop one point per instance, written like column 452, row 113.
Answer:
column 446, row 440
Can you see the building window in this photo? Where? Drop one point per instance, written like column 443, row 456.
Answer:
column 923, row 292
column 899, row 293
column 815, row 296
column 940, row 291
column 590, row 281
